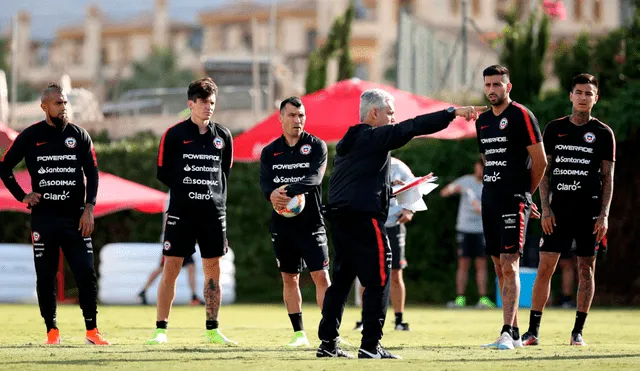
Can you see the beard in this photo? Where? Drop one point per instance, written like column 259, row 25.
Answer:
column 499, row 100
column 59, row 121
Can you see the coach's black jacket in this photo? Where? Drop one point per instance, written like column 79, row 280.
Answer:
column 301, row 168
column 360, row 180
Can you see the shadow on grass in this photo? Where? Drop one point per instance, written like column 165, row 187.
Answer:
column 542, row 358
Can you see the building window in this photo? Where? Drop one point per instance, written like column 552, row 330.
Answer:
column 362, row 11
column 195, row 39
column 311, row 40
column 361, row 71
column 597, row 10
column 577, row 10
column 247, row 40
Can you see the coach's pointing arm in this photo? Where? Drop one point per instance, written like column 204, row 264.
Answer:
column 390, row 137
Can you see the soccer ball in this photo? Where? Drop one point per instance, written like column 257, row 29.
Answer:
column 294, row 207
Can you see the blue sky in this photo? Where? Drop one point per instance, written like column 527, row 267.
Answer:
column 48, row 15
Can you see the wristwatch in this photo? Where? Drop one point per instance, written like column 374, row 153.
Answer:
column 452, row 112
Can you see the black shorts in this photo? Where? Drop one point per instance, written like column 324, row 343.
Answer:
column 187, row 261
column 471, row 245
column 397, row 241
column 573, row 223
column 182, row 232
column 505, row 224
column 297, row 250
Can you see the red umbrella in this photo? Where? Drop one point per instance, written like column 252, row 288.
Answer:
column 7, row 136
column 331, row 111
column 114, row 194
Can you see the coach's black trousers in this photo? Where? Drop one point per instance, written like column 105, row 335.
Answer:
column 49, row 233
column 362, row 250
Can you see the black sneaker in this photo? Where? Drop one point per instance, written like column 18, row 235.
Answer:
column 378, row 353
column 143, row 298
column 402, row 327
column 358, row 326
column 528, row 339
column 327, row 351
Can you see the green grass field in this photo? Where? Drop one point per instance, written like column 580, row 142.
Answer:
column 441, row 340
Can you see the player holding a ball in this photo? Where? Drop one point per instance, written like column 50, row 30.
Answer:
column 291, row 169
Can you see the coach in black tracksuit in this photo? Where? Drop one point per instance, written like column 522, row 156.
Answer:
column 58, row 155
column 359, row 192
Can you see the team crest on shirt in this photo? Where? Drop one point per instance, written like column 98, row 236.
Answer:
column 70, row 142
column 306, row 149
column 589, row 137
column 36, row 236
column 541, row 241
column 503, row 123
column 166, row 245
column 218, row 143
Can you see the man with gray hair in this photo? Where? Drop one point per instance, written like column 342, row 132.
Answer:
column 359, row 192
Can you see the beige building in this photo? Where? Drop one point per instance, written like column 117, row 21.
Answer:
column 100, row 50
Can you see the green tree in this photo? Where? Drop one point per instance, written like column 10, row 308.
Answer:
column 345, row 64
column 337, row 42
column 4, row 65
column 159, row 70
column 525, row 46
column 571, row 60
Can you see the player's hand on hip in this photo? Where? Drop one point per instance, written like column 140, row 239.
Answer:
column 32, row 199
column 470, row 112
column 86, row 221
column 548, row 221
column 535, row 214
column 397, row 182
column 279, row 198
column 405, row 216
column 601, row 227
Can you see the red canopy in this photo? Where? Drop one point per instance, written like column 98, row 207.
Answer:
column 7, row 136
column 114, row 194
column 331, row 111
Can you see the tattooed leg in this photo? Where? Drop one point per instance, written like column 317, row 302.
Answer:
column 586, row 282
column 212, row 294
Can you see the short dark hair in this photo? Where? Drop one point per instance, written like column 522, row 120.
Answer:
column 52, row 87
column 202, row 88
column 480, row 161
column 294, row 101
column 584, row 78
column 496, row 70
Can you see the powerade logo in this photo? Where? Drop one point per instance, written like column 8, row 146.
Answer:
column 303, row 165
column 494, row 140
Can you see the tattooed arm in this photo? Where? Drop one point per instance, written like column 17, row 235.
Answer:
column 602, row 224
column 548, row 218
